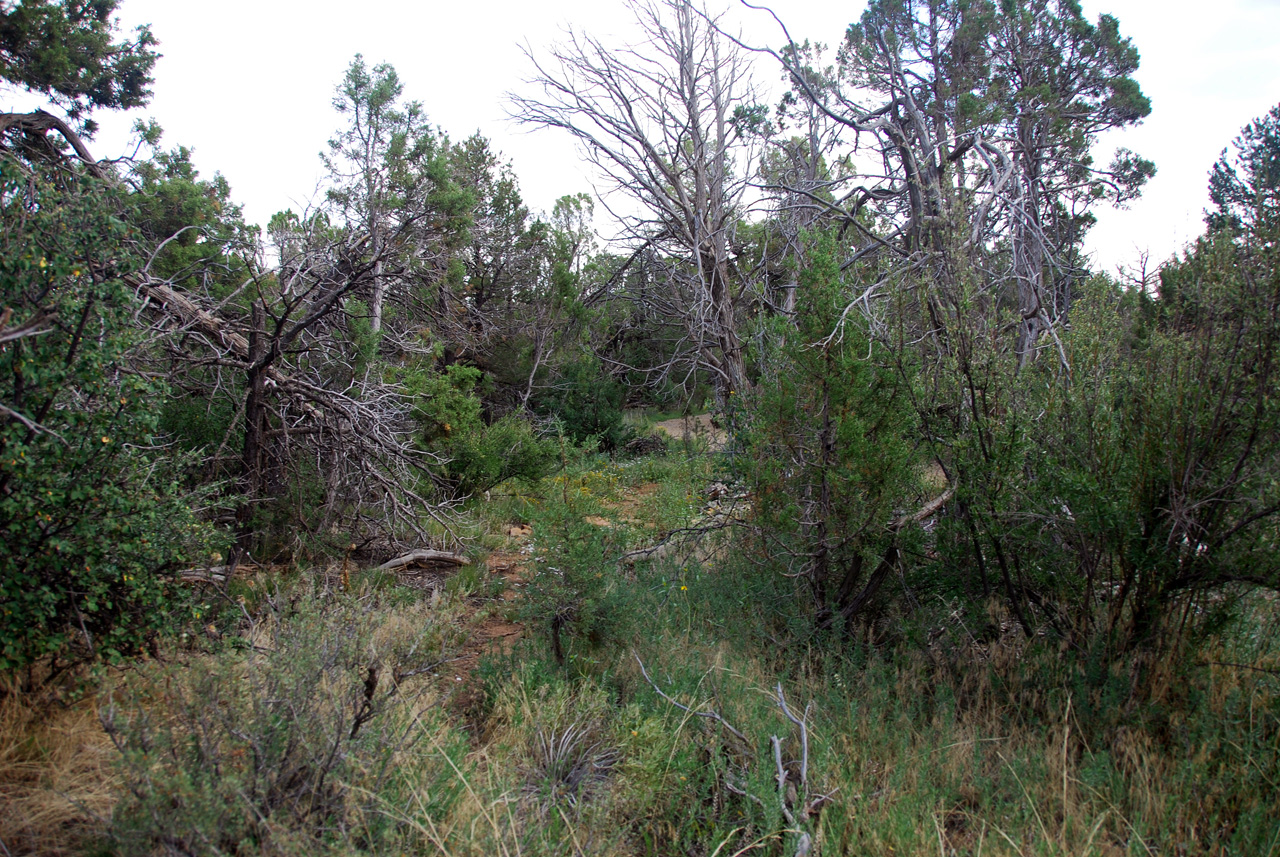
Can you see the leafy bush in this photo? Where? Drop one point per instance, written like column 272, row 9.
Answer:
column 199, row 424
column 572, row 600
column 91, row 513
column 1173, row 483
column 825, row 436
column 1121, row 489
column 1135, row 495
column 475, row 456
column 192, row 221
column 589, row 404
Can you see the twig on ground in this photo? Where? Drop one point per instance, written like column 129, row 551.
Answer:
column 712, row 715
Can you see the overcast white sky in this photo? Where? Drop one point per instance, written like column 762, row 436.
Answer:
column 249, row 85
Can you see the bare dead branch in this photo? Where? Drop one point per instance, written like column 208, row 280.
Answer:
column 424, row 557
column 710, row 715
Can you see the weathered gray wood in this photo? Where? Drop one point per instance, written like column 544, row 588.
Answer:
column 424, row 557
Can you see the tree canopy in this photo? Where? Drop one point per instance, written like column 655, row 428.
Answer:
column 1244, row 187
column 71, row 52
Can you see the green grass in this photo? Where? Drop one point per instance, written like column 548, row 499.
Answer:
column 923, row 748
column 920, row 742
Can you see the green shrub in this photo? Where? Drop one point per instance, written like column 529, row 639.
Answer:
column 91, row 512
column 826, row 439
column 1159, row 462
column 569, row 596
column 309, row 741
column 199, row 232
column 474, row 456
column 1135, row 495
column 588, row 403
column 198, row 424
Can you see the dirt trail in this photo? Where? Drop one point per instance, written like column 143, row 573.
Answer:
column 694, row 427
column 495, row 633
column 490, row 630
column 627, row 509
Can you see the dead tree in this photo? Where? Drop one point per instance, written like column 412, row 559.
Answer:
column 303, row 400
column 658, row 120
column 970, row 136
column 277, row 345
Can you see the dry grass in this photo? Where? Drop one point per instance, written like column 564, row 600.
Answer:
column 972, row 744
column 61, row 779
column 57, row 784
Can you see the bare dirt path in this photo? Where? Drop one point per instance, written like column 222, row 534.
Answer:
column 491, row 630
column 489, row 622
column 694, row 428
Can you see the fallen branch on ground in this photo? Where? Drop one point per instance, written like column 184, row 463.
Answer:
column 711, row 715
column 424, row 557
column 674, row 538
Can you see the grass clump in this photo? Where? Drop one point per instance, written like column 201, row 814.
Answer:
column 318, row 736
column 56, row 773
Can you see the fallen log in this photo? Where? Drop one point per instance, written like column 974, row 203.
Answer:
column 673, row 540
column 424, row 557
column 927, row 511
column 658, row 551
column 214, row 574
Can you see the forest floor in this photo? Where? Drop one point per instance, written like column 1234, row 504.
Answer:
column 489, row 742
column 491, row 626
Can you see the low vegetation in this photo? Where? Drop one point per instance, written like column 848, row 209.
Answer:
column 363, row 545
column 642, row 711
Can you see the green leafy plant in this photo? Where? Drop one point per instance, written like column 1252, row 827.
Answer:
column 475, row 456
column 70, row 53
column 826, row 439
column 569, row 594
column 588, row 404
column 92, row 513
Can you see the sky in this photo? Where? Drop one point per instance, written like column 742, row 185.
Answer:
column 249, row 86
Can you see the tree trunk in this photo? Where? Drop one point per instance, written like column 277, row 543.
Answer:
column 251, row 461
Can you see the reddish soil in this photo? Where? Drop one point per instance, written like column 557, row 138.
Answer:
column 495, row 634
column 629, row 505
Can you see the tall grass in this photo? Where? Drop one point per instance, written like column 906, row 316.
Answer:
column 926, row 736
column 57, row 782
column 317, row 726
column 318, row 734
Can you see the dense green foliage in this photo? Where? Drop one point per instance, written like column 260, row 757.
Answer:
column 91, row 512
column 473, row 457
column 199, row 233
column 1245, row 186
column 1121, row 494
column 827, row 437
column 68, row 51
column 588, row 403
